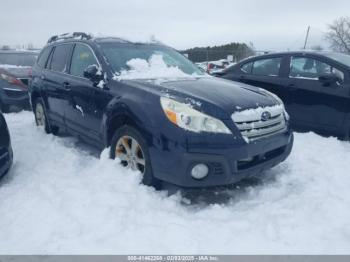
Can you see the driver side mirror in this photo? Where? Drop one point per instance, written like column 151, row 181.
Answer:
column 93, row 73
column 328, row 79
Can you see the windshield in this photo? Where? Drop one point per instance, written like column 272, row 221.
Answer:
column 148, row 61
column 341, row 58
column 17, row 59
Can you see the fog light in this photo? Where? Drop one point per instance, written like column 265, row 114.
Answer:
column 199, row 171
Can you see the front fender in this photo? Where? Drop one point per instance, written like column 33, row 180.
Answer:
column 122, row 111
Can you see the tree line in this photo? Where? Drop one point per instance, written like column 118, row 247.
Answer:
column 211, row 53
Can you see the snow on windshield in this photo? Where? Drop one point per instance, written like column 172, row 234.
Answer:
column 154, row 68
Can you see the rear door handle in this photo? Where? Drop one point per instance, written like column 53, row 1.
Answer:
column 66, row 86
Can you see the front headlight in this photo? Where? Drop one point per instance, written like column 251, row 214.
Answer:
column 186, row 117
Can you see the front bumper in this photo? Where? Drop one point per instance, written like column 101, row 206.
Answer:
column 227, row 162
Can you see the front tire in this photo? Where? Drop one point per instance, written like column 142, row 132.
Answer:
column 131, row 148
column 41, row 119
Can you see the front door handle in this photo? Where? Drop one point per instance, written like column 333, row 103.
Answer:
column 66, row 86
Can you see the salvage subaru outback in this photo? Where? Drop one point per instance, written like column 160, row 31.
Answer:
column 158, row 113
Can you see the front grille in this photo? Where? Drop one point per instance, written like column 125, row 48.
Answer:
column 252, row 125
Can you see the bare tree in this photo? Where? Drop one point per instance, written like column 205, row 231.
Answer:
column 339, row 35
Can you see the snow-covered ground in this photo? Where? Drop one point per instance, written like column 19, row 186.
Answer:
column 60, row 198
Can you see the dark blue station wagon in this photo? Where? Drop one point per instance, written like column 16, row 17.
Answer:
column 169, row 121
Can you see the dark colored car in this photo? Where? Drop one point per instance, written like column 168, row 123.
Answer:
column 169, row 120
column 15, row 72
column 314, row 86
column 5, row 147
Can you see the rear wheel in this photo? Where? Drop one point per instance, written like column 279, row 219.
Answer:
column 41, row 119
column 131, row 149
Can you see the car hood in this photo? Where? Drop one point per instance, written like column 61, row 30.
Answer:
column 209, row 94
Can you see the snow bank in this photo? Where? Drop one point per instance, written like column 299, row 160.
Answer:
column 154, row 68
column 59, row 198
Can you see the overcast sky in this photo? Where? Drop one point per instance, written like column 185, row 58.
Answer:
column 268, row 24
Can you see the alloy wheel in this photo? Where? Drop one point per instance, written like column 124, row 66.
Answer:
column 40, row 115
column 130, row 153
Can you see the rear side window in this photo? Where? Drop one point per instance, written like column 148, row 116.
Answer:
column 267, row 67
column 43, row 57
column 82, row 57
column 60, row 57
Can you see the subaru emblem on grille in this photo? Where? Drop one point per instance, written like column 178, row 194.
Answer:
column 265, row 116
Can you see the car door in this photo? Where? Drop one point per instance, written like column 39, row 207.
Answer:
column 38, row 71
column 316, row 105
column 264, row 73
column 54, row 81
column 86, row 100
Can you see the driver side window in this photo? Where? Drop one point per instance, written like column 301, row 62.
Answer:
column 82, row 58
column 305, row 67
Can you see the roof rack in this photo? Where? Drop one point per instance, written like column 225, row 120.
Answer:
column 74, row 35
